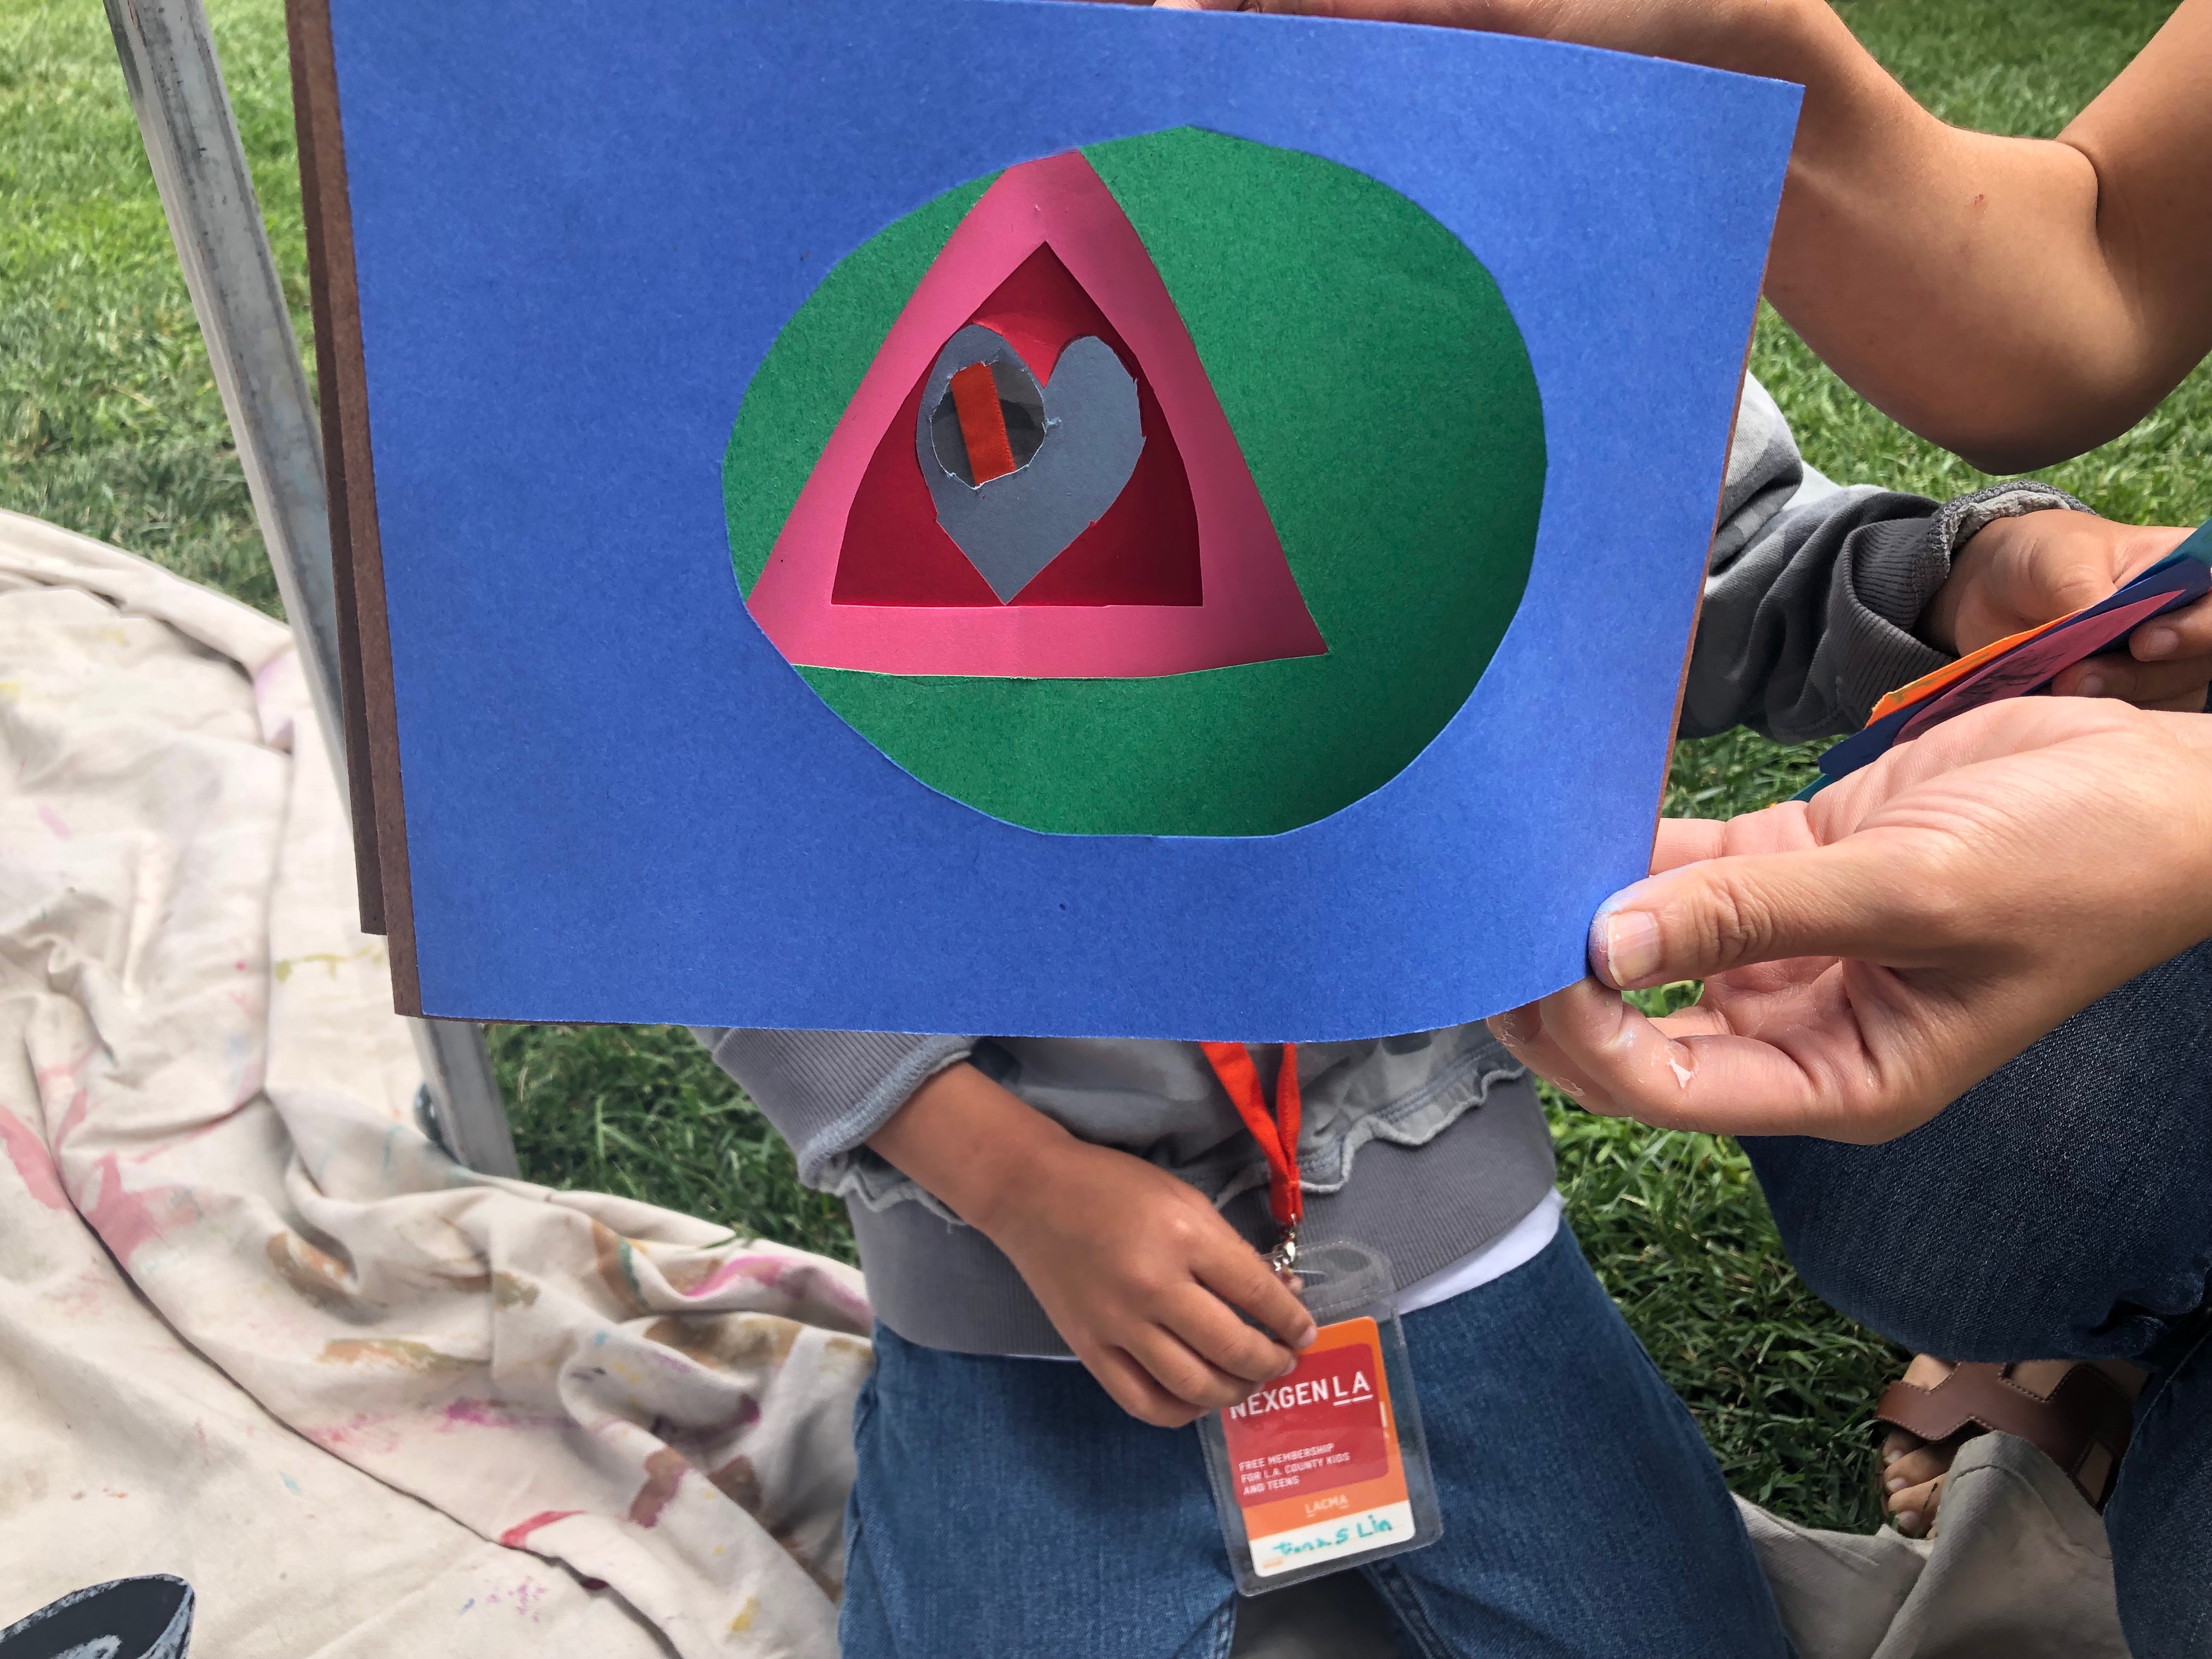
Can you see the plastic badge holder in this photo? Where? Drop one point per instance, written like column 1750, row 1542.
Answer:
column 1326, row 1468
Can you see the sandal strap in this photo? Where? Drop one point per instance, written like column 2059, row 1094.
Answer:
column 2085, row 1409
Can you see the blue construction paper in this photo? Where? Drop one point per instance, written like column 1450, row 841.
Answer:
column 577, row 231
column 2183, row 574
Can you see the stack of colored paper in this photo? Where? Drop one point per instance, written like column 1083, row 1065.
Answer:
column 2026, row 662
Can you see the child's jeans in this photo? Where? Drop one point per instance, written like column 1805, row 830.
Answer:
column 2061, row 1210
column 1010, row 1507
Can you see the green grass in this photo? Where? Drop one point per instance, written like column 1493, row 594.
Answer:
column 109, row 425
column 641, row 1111
column 109, row 420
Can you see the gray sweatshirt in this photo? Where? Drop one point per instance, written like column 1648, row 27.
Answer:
column 1428, row 1146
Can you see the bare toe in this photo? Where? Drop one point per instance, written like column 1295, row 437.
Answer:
column 1919, row 1466
column 1912, row 1509
column 1905, row 1462
column 1895, row 1443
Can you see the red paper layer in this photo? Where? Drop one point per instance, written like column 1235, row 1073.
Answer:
column 1143, row 550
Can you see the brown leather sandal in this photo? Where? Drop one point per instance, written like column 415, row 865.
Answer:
column 2087, row 1410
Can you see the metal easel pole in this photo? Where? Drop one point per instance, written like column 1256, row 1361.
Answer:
column 185, row 116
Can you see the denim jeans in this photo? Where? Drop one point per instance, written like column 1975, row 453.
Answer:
column 1009, row 1507
column 2062, row 1209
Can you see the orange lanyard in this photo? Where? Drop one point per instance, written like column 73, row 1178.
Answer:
column 1277, row 1132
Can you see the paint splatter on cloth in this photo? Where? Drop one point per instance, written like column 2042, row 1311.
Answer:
column 257, row 1329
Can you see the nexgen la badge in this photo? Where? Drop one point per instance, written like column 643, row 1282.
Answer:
column 1314, row 1458
column 1327, row 1468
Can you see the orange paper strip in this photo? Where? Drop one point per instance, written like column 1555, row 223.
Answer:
column 982, row 422
column 1929, row 683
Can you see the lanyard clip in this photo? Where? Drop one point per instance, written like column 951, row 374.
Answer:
column 1277, row 1132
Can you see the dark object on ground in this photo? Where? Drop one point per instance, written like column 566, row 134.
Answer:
column 1333, row 1617
column 149, row 1618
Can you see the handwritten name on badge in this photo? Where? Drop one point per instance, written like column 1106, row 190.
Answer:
column 1367, row 1527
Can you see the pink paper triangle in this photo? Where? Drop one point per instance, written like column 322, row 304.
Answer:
column 1251, row 609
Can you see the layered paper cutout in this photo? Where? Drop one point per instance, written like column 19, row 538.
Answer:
column 1143, row 551
column 715, row 214
column 2024, row 662
column 1295, row 278
column 1176, row 569
column 1013, row 517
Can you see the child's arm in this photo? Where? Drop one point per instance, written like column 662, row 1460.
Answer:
column 1136, row 1269
column 1814, row 610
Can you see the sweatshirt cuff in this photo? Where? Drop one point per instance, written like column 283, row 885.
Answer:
column 1958, row 519
column 1896, row 578
column 1889, row 574
column 827, row 1091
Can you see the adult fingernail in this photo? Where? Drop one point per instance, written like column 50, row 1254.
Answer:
column 1898, row 1485
column 1516, row 1024
column 2091, row 685
column 1908, row 1522
column 1624, row 946
column 2156, row 642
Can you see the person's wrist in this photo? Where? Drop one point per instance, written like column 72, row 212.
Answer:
column 1781, row 39
column 1971, row 557
column 2191, row 737
column 1020, row 1178
column 970, row 1142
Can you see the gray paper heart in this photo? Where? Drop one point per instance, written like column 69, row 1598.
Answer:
column 1010, row 527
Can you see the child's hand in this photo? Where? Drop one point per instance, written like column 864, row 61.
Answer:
column 1136, row 1268
column 2016, row 573
column 1143, row 1279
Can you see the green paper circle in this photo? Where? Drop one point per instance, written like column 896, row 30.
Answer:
column 1383, row 399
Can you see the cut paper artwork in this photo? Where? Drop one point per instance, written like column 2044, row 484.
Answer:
column 1035, row 478
column 1184, row 486
column 1001, row 517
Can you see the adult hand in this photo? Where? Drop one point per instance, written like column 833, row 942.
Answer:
column 1156, row 1295
column 1871, row 954
column 2019, row 572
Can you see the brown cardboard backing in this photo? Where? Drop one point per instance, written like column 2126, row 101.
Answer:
column 364, row 646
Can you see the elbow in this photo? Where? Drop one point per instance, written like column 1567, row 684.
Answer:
column 2014, row 409
column 2009, row 453
column 2022, row 430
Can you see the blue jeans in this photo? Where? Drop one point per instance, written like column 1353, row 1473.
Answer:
column 2062, row 1209
column 1009, row 1507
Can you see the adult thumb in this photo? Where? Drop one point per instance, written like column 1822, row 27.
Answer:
column 1706, row 918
